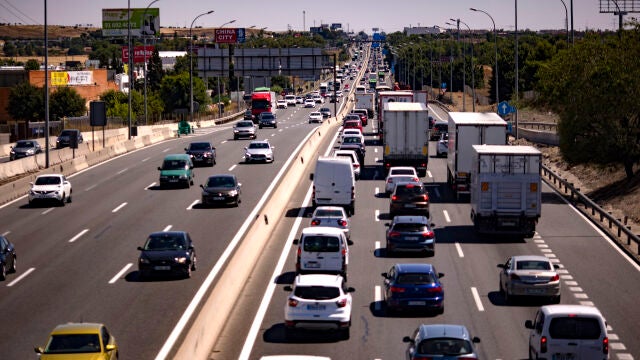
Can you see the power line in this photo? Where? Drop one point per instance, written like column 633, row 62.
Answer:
column 14, row 14
column 18, row 10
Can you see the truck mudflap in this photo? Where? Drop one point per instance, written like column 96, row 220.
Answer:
column 505, row 224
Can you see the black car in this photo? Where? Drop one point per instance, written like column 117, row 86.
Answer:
column 24, row 148
column 409, row 198
column 7, row 257
column 221, row 189
column 248, row 115
column 326, row 112
column 267, row 119
column 66, row 136
column 167, row 252
column 202, row 152
column 410, row 233
column 437, row 129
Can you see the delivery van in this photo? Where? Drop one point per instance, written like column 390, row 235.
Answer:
column 322, row 249
column 334, row 183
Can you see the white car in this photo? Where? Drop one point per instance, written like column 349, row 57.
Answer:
column 290, row 99
column 315, row 116
column 309, row 103
column 339, row 93
column 333, row 216
column 442, row 147
column 399, row 174
column 318, row 302
column 299, row 100
column 347, row 132
column 54, row 187
column 259, row 150
column 318, row 99
column 281, row 104
column 353, row 156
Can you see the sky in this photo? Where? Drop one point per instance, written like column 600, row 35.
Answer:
column 354, row 15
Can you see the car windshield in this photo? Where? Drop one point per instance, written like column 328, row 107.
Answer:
column 221, row 181
column 165, row 242
column 245, row 124
column 533, row 265
column 48, row 180
column 73, row 343
column 415, row 278
column 445, row 346
column 174, row 165
column 321, row 244
column 267, row 117
column 316, row 292
column 24, row 144
column 67, row 133
column 352, row 140
column 200, row 146
column 258, row 146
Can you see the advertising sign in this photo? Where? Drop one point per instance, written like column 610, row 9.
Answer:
column 65, row 78
column 138, row 54
column 229, row 36
column 143, row 22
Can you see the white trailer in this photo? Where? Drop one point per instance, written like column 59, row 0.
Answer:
column 465, row 130
column 505, row 189
column 406, row 135
column 365, row 101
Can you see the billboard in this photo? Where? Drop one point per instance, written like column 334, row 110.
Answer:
column 138, row 54
column 229, row 36
column 143, row 22
column 65, row 78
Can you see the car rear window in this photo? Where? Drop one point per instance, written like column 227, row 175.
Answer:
column 317, row 292
column 402, row 172
column 575, row 328
column 415, row 278
column 409, row 227
column 533, row 265
column 445, row 346
column 327, row 213
column 410, row 190
column 321, row 244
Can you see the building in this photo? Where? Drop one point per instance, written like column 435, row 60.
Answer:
column 422, row 30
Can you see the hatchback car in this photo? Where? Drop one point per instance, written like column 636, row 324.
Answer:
column 410, row 233
column 441, row 341
column 326, row 112
column 318, row 302
column 50, row 187
column 530, row 276
column 281, row 104
column 67, row 137
column 409, row 198
column 309, row 103
column 176, row 169
column 221, row 189
column 88, row 341
column 244, row 129
column 7, row 257
column 202, row 152
column 267, row 119
column 167, row 252
column 413, row 287
column 259, row 151
column 332, row 216
column 398, row 174
column 315, row 116
column 24, row 148
column 355, row 143
column 299, row 100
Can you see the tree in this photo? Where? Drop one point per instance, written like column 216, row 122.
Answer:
column 32, row 64
column 594, row 87
column 26, row 102
column 154, row 71
column 66, row 101
column 10, row 49
column 175, row 91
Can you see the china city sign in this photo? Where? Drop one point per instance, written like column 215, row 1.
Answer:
column 229, row 35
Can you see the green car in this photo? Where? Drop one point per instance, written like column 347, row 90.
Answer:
column 176, row 169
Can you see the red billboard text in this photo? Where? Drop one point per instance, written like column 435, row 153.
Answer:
column 138, row 54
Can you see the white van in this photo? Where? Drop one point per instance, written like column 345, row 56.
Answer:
column 334, row 183
column 360, row 89
column 568, row 332
column 322, row 249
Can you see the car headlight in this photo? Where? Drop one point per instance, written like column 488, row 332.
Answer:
column 144, row 261
column 183, row 176
column 247, row 155
column 233, row 192
column 235, row 130
column 12, row 152
column 30, row 152
column 180, row 260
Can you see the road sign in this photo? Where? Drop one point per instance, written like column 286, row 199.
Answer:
column 504, row 108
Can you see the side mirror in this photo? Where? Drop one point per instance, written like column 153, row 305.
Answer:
column 407, row 339
column 245, row 148
column 110, row 347
column 186, row 149
column 159, row 168
column 475, row 339
column 349, row 242
column 38, row 350
column 556, row 266
column 140, row 248
column 501, row 266
column 288, row 288
column 311, row 176
column 384, row 275
column 350, row 290
column 387, row 224
column 296, row 241
column 202, row 186
column 440, row 275
column 528, row 324
column 239, row 184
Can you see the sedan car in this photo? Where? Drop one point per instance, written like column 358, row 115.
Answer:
column 24, row 148
column 326, row 112
column 221, row 189
column 202, row 152
column 7, row 257
column 399, row 174
column 409, row 198
column 267, row 119
column 50, row 187
column 441, row 341
column 332, row 216
column 309, row 103
column 281, row 104
column 442, row 147
column 318, row 302
column 410, row 233
column 82, row 341
column 531, row 276
column 248, row 115
column 318, row 99
column 167, row 252
column 315, row 116
column 259, row 150
column 413, row 287
column 244, row 129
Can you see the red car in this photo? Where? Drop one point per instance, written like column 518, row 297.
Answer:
column 363, row 117
column 353, row 124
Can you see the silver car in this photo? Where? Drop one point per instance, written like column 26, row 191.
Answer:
column 259, row 150
column 531, row 276
column 24, row 148
column 442, row 147
column 332, row 216
column 245, row 128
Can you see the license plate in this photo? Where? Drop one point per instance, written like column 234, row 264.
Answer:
column 312, row 265
column 413, row 238
column 563, row 357
column 535, row 291
column 315, row 307
column 417, row 303
column 218, row 198
column 409, row 205
column 508, row 223
column 162, row 268
column 173, row 180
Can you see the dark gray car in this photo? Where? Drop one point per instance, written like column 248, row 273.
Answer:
column 202, row 152
column 24, row 148
column 268, row 119
column 221, row 189
column 65, row 137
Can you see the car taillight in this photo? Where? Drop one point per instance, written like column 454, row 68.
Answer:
column 390, row 181
column 605, row 345
column 427, row 234
column 415, row 179
column 436, row 289
column 514, row 277
column 393, row 234
column 315, row 222
column 555, row 277
column 356, row 165
column 293, row 302
column 342, row 222
column 341, row 303
column 395, row 289
column 543, row 344
column 394, row 197
column 425, row 197
column 299, row 252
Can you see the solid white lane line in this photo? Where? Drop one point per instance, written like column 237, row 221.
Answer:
column 232, row 167
column 459, row 249
column 120, row 273
column 377, row 245
column 167, row 228
column 22, row 276
column 193, row 204
column 146, row 159
column 377, row 296
column 223, row 141
column 119, row 207
column 121, row 171
column 150, row 185
column 476, row 297
column 446, row 216
column 79, row 235
column 377, row 215
column 429, row 174
column 47, row 211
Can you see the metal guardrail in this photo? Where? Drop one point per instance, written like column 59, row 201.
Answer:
column 538, row 126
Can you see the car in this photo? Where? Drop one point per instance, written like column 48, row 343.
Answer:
column 176, row 169
column 267, row 119
column 409, row 198
column 299, row 100
column 309, row 103
column 364, row 115
column 346, row 86
column 248, row 115
column 339, row 93
column 68, row 137
column 318, row 302
column 85, row 340
column 442, row 147
column 349, row 117
column 347, row 132
column 410, row 233
column 355, row 143
column 326, row 112
column 353, row 156
column 531, row 276
column 322, row 249
column 413, row 287
column 441, row 341
column 332, row 216
column 353, row 124
column 281, row 104
column 259, row 150
column 202, row 152
column 290, row 99
column 244, row 129
column 24, row 148
column 438, row 128
column 166, row 253
column 7, row 257
column 318, row 99
column 50, row 187
column 398, row 174
column 315, row 116
column 222, row 189
column 333, row 99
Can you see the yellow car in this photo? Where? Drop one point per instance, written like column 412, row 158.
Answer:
column 78, row 341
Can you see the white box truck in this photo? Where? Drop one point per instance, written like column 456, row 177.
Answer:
column 334, row 183
column 406, row 136
column 365, row 101
column 465, row 130
column 505, row 189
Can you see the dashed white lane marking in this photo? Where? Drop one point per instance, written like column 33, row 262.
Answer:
column 146, row 159
column 446, row 216
column 538, row 241
column 165, row 150
column 167, row 228
column 377, row 190
column 377, row 295
column 476, row 298
column 120, row 273
column 546, row 250
column 232, row 167
column 375, row 150
column 377, row 215
column 91, row 187
column 150, row 186
column 581, row 296
column 577, row 289
column 47, row 211
column 119, row 207
column 121, row 171
column 459, row 249
column 223, row 141
column 543, row 246
column 550, row 255
column 429, row 174
column 567, row 277
column 79, row 235
column 375, row 160
column 571, row 283
column 193, row 204
column 22, row 276
column 6, row 233
column 587, row 303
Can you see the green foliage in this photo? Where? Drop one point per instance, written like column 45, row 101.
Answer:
column 32, row 64
column 65, row 101
column 154, row 71
column 10, row 49
column 117, row 103
column 175, row 92
column 26, row 102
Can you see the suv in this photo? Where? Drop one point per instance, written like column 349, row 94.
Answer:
column 176, row 169
column 318, row 302
column 411, row 198
column 411, row 233
column 244, row 128
column 248, row 115
column 202, row 152
column 54, row 187
column 66, row 136
column 267, row 119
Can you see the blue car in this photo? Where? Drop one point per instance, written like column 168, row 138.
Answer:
column 413, row 287
column 441, row 341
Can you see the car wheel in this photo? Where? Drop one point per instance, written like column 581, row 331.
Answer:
column 555, row 299
column 194, row 263
column 3, row 272
column 275, row 126
column 235, row 138
column 69, row 198
column 13, row 267
column 259, row 126
column 289, row 333
column 63, row 200
column 346, row 334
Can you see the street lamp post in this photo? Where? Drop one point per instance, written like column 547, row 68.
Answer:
column 473, row 71
column 566, row 20
column 144, row 36
column 191, row 63
column 464, row 64
column 495, row 38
